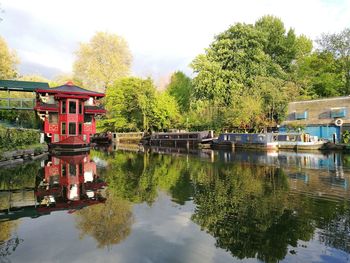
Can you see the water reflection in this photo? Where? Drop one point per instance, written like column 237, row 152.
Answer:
column 258, row 205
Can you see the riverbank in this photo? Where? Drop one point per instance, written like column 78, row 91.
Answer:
column 22, row 154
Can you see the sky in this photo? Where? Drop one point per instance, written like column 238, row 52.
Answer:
column 163, row 35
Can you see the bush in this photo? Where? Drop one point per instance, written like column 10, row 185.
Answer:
column 346, row 137
column 11, row 138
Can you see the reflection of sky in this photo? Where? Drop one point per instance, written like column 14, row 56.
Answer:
column 161, row 233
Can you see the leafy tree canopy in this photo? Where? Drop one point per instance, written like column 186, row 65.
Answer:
column 8, row 61
column 102, row 61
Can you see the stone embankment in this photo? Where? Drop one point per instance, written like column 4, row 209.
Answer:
column 19, row 156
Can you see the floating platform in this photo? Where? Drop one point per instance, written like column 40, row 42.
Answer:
column 72, row 144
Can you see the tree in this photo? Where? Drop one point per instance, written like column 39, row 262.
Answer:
column 134, row 104
column 321, row 74
column 180, row 87
column 231, row 62
column 338, row 44
column 102, row 61
column 165, row 114
column 8, row 61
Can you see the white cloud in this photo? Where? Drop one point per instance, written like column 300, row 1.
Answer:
column 48, row 32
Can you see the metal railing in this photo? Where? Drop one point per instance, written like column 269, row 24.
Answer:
column 17, row 103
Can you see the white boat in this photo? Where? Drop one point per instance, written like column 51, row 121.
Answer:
column 299, row 141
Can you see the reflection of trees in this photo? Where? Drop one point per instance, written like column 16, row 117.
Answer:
column 249, row 212
column 8, row 242
column 109, row 223
column 249, row 209
column 19, row 177
column 137, row 177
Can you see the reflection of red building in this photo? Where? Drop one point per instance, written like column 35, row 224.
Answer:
column 68, row 112
column 70, row 182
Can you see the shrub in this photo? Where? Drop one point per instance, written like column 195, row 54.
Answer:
column 11, row 138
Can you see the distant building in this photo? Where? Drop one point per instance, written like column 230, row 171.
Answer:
column 325, row 118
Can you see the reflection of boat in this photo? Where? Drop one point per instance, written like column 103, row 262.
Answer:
column 102, row 138
column 299, row 142
column 263, row 141
column 299, row 176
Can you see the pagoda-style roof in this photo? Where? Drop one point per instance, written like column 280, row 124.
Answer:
column 70, row 89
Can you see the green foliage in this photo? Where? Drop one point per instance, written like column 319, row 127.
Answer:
column 134, row 104
column 247, row 71
column 180, row 87
column 102, row 61
column 11, row 138
column 8, row 61
column 338, row 44
column 19, row 177
column 346, row 136
column 321, row 73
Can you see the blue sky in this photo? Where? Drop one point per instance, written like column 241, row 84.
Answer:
column 164, row 36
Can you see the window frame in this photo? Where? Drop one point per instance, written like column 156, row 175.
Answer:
column 75, row 128
column 65, row 128
column 63, row 106
column 75, row 109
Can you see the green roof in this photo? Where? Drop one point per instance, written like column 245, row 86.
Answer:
column 25, row 86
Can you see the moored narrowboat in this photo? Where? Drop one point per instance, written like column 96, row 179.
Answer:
column 299, row 142
column 263, row 141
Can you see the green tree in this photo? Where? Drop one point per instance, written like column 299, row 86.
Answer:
column 242, row 64
column 338, row 44
column 180, row 87
column 134, row 104
column 8, row 61
column 102, row 61
column 321, row 74
column 165, row 113
column 231, row 63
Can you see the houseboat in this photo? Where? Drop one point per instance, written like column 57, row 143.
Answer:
column 299, row 142
column 264, row 141
column 68, row 113
column 181, row 138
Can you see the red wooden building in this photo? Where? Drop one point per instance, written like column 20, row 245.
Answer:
column 68, row 112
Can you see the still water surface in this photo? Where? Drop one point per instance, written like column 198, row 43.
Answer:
column 157, row 206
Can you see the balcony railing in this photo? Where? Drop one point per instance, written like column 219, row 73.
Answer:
column 17, row 103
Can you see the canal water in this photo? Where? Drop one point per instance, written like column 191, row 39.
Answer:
column 167, row 205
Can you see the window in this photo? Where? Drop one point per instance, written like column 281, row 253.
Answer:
column 87, row 118
column 80, row 168
column 338, row 112
column 80, row 128
column 53, row 118
column 64, row 171
column 63, row 128
column 72, row 128
column 72, row 106
column 80, row 108
column 72, row 170
column 63, row 106
column 301, row 115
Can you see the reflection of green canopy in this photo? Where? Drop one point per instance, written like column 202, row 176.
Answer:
column 25, row 86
